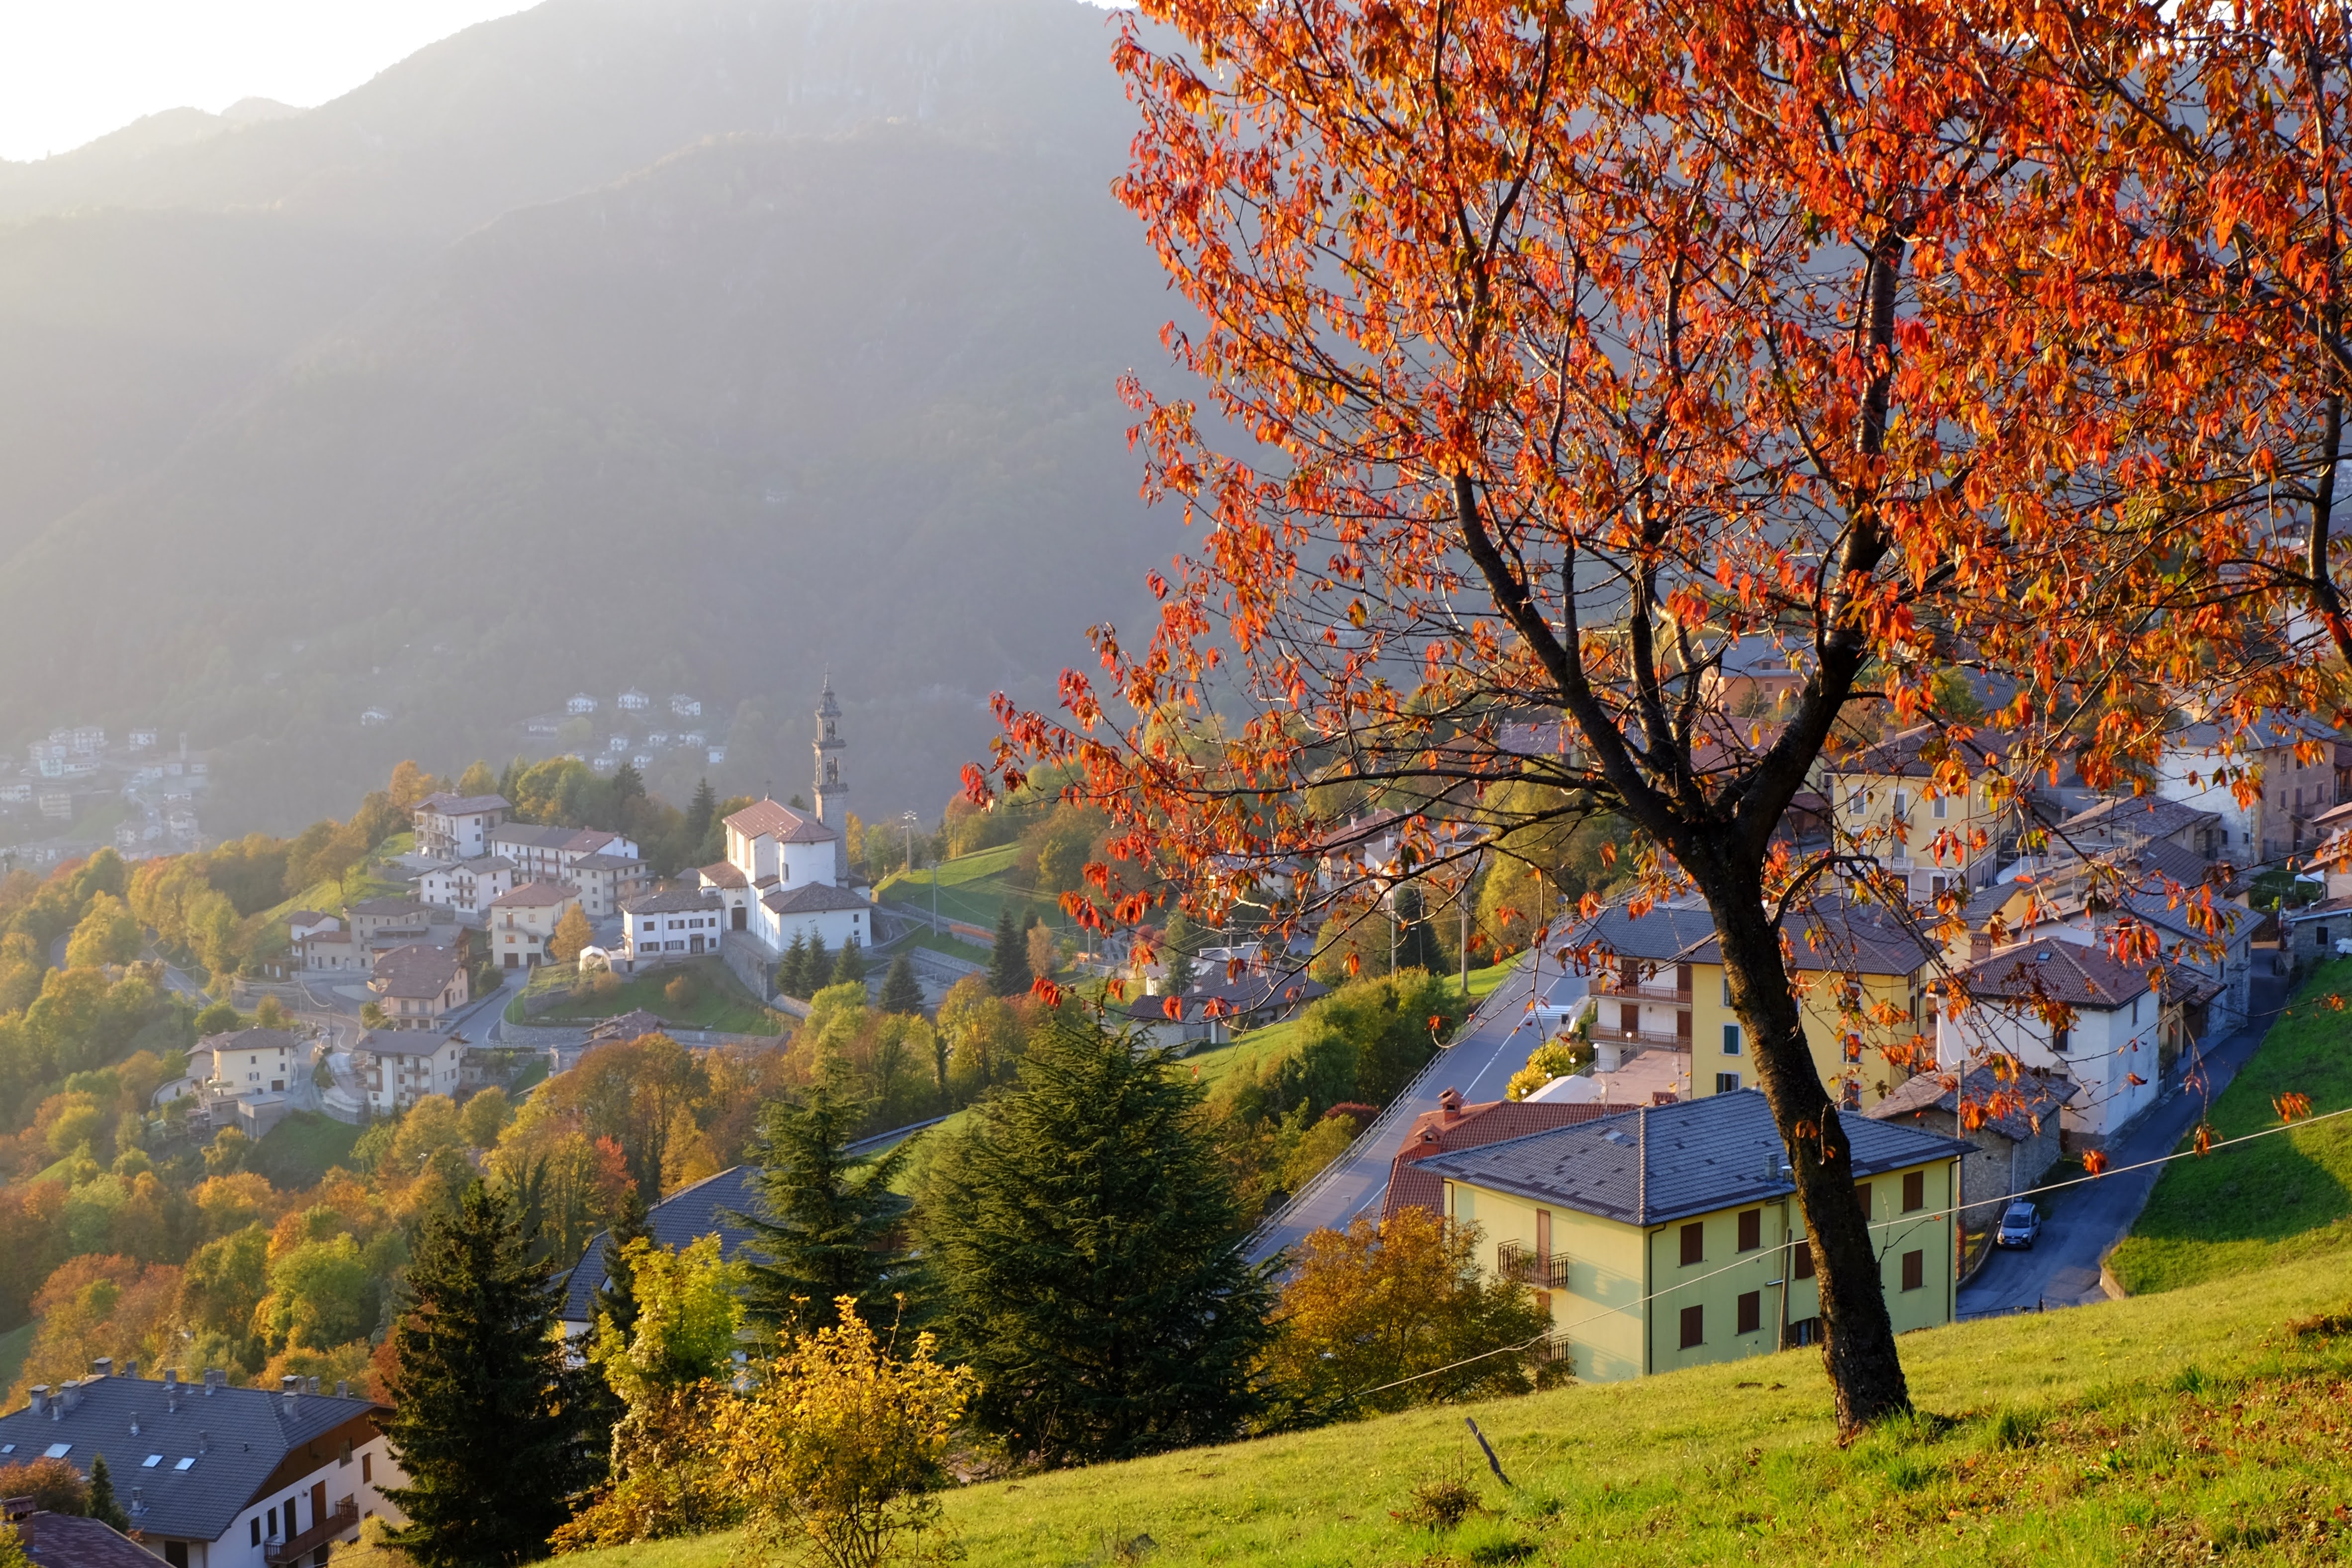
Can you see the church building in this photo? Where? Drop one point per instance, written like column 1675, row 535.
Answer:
column 786, row 875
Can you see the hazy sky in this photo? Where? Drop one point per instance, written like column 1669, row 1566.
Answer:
column 71, row 70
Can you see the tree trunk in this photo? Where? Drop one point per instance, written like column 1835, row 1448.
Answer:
column 1857, row 1337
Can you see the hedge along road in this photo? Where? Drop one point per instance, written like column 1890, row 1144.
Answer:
column 1479, row 1063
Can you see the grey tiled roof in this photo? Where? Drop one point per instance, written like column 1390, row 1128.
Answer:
column 237, row 1436
column 811, row 897
column 1665, row 1162
column 1661, row 935
column 62, row 1541
column 686, row 1215
column 675, row 901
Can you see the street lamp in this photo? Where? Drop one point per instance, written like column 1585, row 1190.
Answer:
column 910, row 821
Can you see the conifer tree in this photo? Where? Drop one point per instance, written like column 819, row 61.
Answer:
column 820, row 966
column 1177, row 955
column 826, row 1221
column 103, row 1505
column 616, row 1298
column 901, row 992
column 1083, row 1241
column 699, row 816
column 1008, row 967
column 849, row 969
column 480, row 1421
column 791, row 970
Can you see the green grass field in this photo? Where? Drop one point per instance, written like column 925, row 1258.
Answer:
column 973, row 889
column 300, row 1150
column 938, row 941
column 721, row 1004
column 2206, row 1427
column 2282, row 1197
column 15, row 1346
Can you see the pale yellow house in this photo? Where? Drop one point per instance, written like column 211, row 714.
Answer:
column 1670, row 1236
column 1887, row 802
column 1861, row 979
column 1658, row 984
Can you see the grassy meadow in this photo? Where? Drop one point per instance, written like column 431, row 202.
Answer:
column 2208, row 1424
column 2279, row 1198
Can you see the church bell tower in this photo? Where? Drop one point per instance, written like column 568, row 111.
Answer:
column 832, row 793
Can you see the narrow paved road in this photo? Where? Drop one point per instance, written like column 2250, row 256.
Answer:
column 1479, row 1063
column 2063, row 1268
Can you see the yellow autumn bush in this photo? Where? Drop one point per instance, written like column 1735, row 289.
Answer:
column 838, row 1445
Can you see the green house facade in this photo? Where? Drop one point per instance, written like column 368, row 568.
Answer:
column 1669, row 1237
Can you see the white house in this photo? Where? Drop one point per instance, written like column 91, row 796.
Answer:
column 580, row 705
column 398, row 1068
column 467, row 886
column 215, row 1477
column 2295, row 763
column 457, row 826
column 305, row 922
column 685, row 707
column 633, row 701
column 2110, row 1047
column 678, row 923
column 604, row 880
column 250, row 1061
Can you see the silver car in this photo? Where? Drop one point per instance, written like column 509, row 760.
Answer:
column 2020, row 1223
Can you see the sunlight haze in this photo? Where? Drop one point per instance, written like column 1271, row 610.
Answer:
column 72, row 73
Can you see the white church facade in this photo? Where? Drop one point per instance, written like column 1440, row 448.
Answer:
column 786, row 875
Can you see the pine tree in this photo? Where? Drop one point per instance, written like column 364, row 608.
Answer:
column 616, row 1298
column 1178, row 942
column 826, row 1218
column 820, row 966
column 699, row 816
column 1417, row 943
column 849, row 969
column 1082, row 1239
column 103, row 1504
column 791, row 970
column 480, row 1420
column 1008, row 967
column 901, row 992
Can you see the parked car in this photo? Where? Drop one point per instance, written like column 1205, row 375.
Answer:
column 2020, row 1223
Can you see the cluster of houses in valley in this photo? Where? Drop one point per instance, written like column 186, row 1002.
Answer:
column 78, row 769
column 643, row 735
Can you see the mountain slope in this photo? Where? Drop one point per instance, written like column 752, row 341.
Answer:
column 772, row 403
column 682, row 342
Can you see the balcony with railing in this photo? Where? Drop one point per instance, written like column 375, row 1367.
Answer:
column 1545, row 1271
column 293, row 1549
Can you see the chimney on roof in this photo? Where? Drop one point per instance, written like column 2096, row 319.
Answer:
column 311, row 1385
column 40, row 1398
column 138, row 1501
column 290, row 1386
column 170, row 1378
column 342, row 1389
column 1450, row 1102
column 203, row 1442
column 103, row 1366
column 71, row 1388
column 212, row 1380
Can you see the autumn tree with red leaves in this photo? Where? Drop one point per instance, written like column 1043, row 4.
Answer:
column 1558, row 354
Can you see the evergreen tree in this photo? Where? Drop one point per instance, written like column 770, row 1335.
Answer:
column 901, row 992
column 820, row 966
column 791, row 970
column 849, row 969
column 701, row 816
column 1177, row 945
column 826, row 1219
column 1082, row 1238
column 1417, row 943
column 481, row 1419
column 616, row 1298
column 1008, row 967
column 103, row 1504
